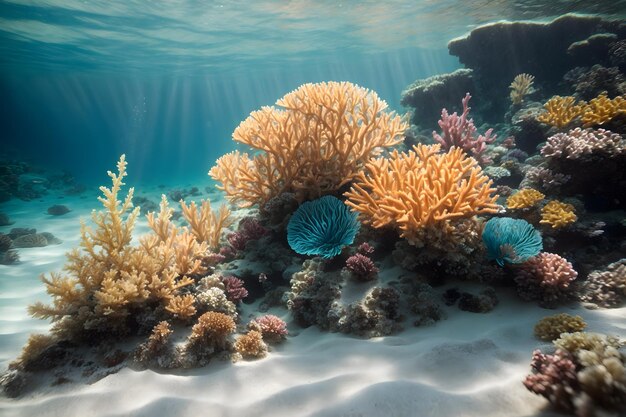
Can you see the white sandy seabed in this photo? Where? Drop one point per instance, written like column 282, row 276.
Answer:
column 467, row 365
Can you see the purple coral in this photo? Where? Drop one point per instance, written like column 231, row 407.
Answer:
column 249, row 229
column 361, row 267
column 554, row 377
column 234, row 289
column 460, row 131
column 546, row 278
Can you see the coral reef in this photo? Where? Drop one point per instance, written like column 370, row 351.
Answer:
column 156, row 347
column 591, row 82
column 421, row 189
column 511, row 240
column 377, row 315
column 484, row 302
column 551, row 327
column 322, row 227
column 545, row 278
column 316, row 143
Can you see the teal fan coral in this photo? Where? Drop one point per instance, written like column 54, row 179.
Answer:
column 511, row 240
column 322, row 227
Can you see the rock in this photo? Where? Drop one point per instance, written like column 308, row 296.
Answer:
column 4, row 220
column 58, row 210
column 35, row 240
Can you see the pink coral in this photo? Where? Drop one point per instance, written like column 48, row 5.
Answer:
column 235, row 290
column 554, row 377
column 579, row 143
column 365, row 248
column 460, row 131
column 272, row 327
column 361, row 267
column 546, row 278
column 249, row 229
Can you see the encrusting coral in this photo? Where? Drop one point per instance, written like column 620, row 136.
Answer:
column 551, row 327
column 525, row 198
column 421, row 189
column 520, row 88
column 605, row 288
column 314, row 144
column 557, row 214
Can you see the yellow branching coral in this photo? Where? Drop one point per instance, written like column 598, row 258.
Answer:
column 421, row 189
column 520, row 87
column 550, row 328
column 318, row 141
column 524, row 199
column 557, row 214
column 107, row 278
column 602, row 109
column 206, row 225
column 251, row 345
column 561, row 111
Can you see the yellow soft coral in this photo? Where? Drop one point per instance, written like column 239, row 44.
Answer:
column 318, row 141
column 206, row 225
column 602, row 109
column 520, row 87
column 550, row 328
column 107, row 279
column 421, row 189
column 561, row 111
column 557, row 214
column 524, row 199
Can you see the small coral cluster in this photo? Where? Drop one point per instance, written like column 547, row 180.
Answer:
column 585, row 376
column 563, row 111
column 550, row 328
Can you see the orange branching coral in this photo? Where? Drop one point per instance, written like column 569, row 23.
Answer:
column 421, row 189
column 251, row 345
column 182, row 306
column 206, row 225
column 561, row 111
column 318, row 141
column 107, row 278
column 520, row 87
column 557, row 214
column 603, row 109
column 524, row 199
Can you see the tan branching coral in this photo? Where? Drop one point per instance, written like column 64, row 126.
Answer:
column 182, row 306
column 35, row 346
column 520, row 87
column 603, row 109
column 251, row 345
column 420, row 189
column 211, row 330
column 550, row 328
column 205, row 224
column 525, row 198
column 558, row 214
column 318, row 140
column 155, row 345
column 561, row 111
column 107, row 278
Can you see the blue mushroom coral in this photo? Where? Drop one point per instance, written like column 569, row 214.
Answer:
column 511, row 240
column 322, row 227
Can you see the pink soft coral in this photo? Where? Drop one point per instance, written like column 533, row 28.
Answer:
column 272, row 327
column 554, row 377
column 361, row 267
column 546, row 278
column 460, row 131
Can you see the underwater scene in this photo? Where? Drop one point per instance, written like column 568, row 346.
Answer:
column 313, row 208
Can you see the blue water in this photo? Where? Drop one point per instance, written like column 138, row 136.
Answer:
column 166, row 82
